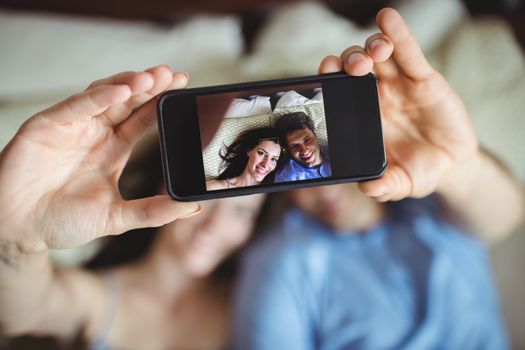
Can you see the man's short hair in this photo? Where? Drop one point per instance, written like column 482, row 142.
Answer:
column 293, row 121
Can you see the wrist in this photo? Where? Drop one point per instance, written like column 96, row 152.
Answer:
column 14, row 258
column 460, row 179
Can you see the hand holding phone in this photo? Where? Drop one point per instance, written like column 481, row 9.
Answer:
column 427, row 131
column 58, row 175
column 270, row 135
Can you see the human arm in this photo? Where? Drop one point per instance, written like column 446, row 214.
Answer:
column 485, row 194
column 430, row 143
column 59, row 189
column 38, row 298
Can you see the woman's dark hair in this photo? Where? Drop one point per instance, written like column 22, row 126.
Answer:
column 235, row 156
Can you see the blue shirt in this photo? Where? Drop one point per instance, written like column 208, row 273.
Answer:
column 411, row 282
column 293, row 170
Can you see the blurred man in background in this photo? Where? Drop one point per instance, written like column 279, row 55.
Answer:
column 343, row 271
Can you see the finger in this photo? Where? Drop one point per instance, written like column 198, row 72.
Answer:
column 407, row 53
column 379, row 47
column 330, row 64
column 179, row 81
column 142, row 120
column 163, row 77
column 356, row 61
column 159, row 77
column 386, row 70
column 137, row 81
column 395, row 184
column 147, row 212
column 87, row 104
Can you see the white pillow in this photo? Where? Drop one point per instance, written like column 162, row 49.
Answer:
column 51, row 54
column 318, row 97
column 299, row 35
column 292, row 98
column 242, row 108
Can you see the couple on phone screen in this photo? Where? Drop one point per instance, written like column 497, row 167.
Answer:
column 254, row 156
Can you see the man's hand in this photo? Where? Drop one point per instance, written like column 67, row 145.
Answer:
column 426, row 127
column 59, row 174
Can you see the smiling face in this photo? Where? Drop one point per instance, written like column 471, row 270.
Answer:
column 303, row 147
column 202, row 242
column 262, row 159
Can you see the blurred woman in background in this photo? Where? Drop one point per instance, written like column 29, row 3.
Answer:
column 150, row 288
column 171, row 287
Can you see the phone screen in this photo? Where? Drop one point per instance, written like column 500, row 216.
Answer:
column 273, row 135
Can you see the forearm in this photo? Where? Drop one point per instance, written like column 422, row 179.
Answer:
column 485, row 196
column 24, row 281
column 35, row 297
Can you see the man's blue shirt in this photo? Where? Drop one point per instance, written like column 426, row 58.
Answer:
column 293, row 170
column 411, row 282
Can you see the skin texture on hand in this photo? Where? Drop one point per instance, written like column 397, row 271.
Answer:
column 59, row 174
column 426, row 128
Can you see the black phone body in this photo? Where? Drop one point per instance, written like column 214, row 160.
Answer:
column 349, row 137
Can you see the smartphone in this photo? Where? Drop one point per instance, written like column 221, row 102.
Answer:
column 273, row 135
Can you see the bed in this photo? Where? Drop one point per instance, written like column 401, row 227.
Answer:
column 48, row 55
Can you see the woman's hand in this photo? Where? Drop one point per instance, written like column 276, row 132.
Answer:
column 426, row 127
column 59, row 174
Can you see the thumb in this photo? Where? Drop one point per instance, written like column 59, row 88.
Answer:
column 147, row 212
column 395, row 184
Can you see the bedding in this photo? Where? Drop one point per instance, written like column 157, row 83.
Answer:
column 46, row 57
column 241, row 108
column 231, row 127
column 52, row 54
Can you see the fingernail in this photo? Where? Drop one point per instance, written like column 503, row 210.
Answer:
column 193, row 213
column 354, row 57
column 179, row 79
column 375, row 43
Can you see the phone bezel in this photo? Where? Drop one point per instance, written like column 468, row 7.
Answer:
column 167, row 138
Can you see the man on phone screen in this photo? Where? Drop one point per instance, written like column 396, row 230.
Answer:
column 307, row 159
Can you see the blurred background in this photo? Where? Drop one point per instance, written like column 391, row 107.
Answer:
column 52, row 48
